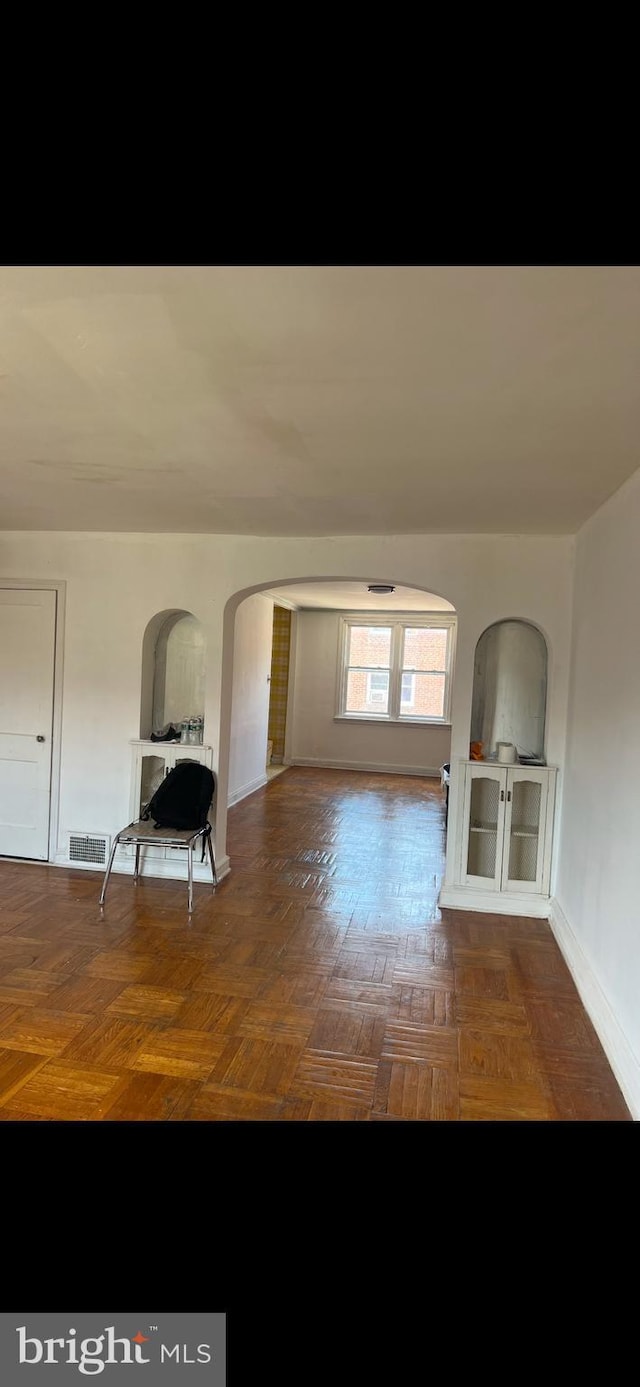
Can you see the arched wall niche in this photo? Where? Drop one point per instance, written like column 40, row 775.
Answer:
column 509, row 699
column 173, row 670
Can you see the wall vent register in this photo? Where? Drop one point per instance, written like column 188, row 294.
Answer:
column 88, row 848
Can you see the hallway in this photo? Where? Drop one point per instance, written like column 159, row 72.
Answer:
column 321, row 982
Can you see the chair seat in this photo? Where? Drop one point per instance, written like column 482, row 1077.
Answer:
column 143, row 831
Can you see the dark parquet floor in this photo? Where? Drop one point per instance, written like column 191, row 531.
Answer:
column 321, row 982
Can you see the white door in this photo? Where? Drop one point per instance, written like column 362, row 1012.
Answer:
column 27, row 648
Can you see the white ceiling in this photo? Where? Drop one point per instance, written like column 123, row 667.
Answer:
column 310, row 400
column 354, row 597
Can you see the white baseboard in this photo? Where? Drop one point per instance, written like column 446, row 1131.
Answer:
column 172, row 870
column 248, row 789
column 494, row 902
column 365, row 766
column 621, row 1057
column 123, row 866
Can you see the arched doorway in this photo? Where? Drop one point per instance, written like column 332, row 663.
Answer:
column 355, row 597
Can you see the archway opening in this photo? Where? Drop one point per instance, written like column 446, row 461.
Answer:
column 313, row 600
column 318, row 605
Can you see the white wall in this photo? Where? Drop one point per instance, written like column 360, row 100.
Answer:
column 598, row 883
column 318, row 738
column 250, row 709
column 111, row 599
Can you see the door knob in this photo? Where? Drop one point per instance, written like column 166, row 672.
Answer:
column 40, row 739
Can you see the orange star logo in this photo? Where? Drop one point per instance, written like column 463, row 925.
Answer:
column 140, row 1338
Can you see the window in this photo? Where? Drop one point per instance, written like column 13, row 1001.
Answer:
column 396, row 670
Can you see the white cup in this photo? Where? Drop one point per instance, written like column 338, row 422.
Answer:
column 506, row 753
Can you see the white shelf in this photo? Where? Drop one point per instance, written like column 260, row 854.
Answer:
column 159, row 746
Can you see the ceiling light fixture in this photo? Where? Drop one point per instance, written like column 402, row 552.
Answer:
column 380, row 588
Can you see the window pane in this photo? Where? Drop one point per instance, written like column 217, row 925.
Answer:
column 408, row 691
column 367, row 693
column 424, row 648
column 428, row 700
column 370, row 646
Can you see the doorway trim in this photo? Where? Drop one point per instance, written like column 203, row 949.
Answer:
column 60, row 589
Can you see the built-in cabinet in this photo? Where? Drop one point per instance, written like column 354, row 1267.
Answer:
column 504, row 820
column 502, row 852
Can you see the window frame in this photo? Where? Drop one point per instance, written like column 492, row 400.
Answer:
column 399, row 623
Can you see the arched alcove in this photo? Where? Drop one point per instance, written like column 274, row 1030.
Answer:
column 173, row 670
column 510, row 688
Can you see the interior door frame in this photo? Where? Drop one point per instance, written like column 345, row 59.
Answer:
column 60, row 588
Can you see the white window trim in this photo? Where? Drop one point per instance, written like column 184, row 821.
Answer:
column 398, row 621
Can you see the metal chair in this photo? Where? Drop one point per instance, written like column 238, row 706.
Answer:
column 142, row 833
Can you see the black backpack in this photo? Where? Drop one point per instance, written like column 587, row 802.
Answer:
column 184, row 798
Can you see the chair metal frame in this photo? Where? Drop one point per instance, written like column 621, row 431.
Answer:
column 142, row 834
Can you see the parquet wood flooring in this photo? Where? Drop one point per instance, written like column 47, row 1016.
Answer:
column 320, row 983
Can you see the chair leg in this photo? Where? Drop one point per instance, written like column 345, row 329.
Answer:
column 109, row 866
column 136, row 870
column 213, row 864
column 190, row 855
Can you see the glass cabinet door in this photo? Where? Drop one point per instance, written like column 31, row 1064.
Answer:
column 484, row 815
column 524, row 830
column 153, row 770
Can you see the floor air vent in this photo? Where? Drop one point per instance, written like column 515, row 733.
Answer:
column 83, row 848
